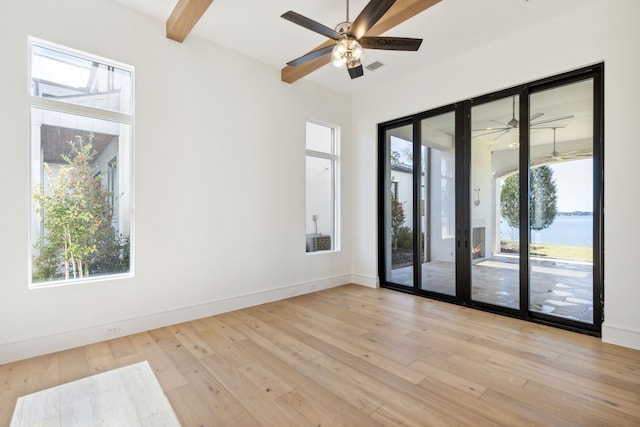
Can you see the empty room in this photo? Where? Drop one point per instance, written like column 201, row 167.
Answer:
column 318, row 213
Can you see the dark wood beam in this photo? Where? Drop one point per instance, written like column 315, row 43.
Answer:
column 184, row 17
column 401, row 11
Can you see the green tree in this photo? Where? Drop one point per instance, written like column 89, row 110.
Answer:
column 397, row 218
column 510, row 201
column 76, row 215
column 542, row 199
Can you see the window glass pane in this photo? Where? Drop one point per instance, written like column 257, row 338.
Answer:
column 81, row 196
column 437, row 210
column 72, row 79
column 495, row 208
column 561, row 197
column 321, row 188
column 399, row 206
column 320, row 138
column 319, row 204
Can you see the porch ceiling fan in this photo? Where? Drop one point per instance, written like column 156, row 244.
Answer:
column 351, row 38
column 504, row 128
column 556, row 156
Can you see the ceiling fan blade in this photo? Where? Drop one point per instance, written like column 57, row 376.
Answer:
column 495, row 129
column 504, row 132
column 390, row 43
column 579, row 155
column 356, row 72
column 491, row 132
column 371, row 14
column 535, row 116
column 554, row 119
column 311, row 55
column 310, row 24
column 548, row 127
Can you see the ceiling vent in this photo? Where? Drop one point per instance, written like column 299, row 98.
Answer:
column 374, row 66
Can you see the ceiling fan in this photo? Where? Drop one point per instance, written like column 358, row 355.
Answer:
column 505, row 128
column 556, row 156
column 350, row 37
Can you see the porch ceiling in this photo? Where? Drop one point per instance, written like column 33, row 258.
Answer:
column 55, row 141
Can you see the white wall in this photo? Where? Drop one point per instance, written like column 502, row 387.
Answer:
column 596, row 30
column 219, row 181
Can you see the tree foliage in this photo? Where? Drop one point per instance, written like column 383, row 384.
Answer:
column 77, row 219
column 542, row 199
column 397, row 219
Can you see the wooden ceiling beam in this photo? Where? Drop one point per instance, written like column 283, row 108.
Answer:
column 184, row 17
column 401, row 11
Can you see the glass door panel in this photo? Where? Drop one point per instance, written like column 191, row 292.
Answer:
column 561, row 202
column 493, row 241
column 437, row 204
column 399, row 209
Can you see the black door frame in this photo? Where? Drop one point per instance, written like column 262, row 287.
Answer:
column 463, row 199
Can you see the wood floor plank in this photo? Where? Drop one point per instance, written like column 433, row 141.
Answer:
column 73, row 365
column 396, row 393
column 99, row 357
column 571, row 407
column 566, row 382
column 523, row 413
column 357, row 356
column 291, row 353
column 255, row 399
column 190, row 408
column 121, row 347
column 43, row 373
column 334, row 409
column 165, row 371
column 190, row 340
column 229, row 411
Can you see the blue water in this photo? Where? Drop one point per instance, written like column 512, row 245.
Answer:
column 572, row 230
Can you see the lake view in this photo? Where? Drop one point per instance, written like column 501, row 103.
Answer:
column 571, row 230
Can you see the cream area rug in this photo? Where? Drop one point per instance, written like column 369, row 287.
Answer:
column 130, row 396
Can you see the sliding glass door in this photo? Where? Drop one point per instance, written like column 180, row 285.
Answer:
column 438, row 204
column 419, row 182
column 495, row 258
column 561, row 211
column 399, row 209
column 496, row 202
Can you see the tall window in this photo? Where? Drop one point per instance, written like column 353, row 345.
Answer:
column 322, row 187
column 81, row 165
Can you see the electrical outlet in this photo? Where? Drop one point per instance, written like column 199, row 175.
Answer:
column 113, row 330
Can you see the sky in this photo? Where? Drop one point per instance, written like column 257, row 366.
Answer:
column 574, row 185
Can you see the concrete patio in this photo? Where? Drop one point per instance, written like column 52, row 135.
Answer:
column 559, row 287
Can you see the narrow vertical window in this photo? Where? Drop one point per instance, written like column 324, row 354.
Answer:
column 322, row 157
column 81, row 165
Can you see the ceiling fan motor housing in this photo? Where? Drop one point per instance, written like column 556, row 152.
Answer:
column 343, row 27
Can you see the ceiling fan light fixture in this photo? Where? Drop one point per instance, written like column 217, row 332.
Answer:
column 353, row 63
column 346, row 52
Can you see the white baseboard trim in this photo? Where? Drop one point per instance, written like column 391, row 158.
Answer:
column 618, row 335
column 368, row 281
column 37, row 346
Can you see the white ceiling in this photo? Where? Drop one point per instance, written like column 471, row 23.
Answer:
column 255, row 29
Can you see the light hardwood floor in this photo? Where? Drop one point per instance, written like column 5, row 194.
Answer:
column 355, row 356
